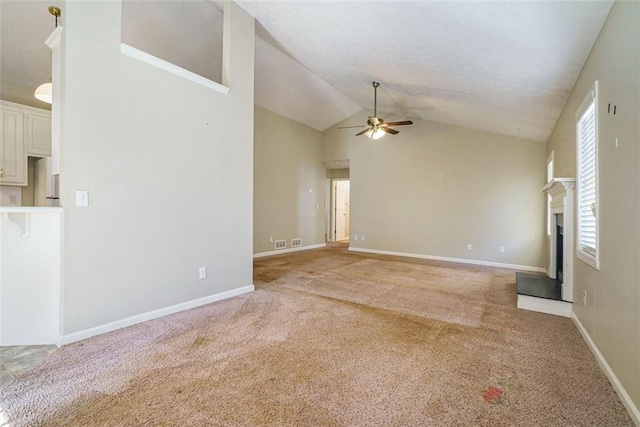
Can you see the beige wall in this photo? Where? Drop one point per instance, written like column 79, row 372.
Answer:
column 434, row 188
column 169, row 169
column 612, row 314
column 287, row 164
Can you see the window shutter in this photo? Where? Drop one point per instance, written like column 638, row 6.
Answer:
column 587, row 179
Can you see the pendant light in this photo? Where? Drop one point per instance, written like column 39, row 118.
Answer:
column 44, row 92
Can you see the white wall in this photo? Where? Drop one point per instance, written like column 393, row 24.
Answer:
column 169, row 169
column 612, row 314
column 29, row 276
column 434, row 188
column 288, row 165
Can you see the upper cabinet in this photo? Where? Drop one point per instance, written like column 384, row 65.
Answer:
column 13, row 156
column 38, row 134
column 24, row 131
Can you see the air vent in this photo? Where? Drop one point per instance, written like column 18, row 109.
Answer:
column 281, row 244
column 296, row 242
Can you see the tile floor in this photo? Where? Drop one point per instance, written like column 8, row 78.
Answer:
column 16, row 360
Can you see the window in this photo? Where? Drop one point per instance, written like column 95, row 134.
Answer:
column 550, row 167
column 587, row 182
column 549, row 179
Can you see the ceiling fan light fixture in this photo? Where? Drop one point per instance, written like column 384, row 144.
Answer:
column 374, row 133
column 378, row 133
column 44, row 93
column 376, row 127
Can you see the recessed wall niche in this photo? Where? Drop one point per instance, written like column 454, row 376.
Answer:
column 184, row 33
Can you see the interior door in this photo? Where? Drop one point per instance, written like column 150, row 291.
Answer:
column 341, row 204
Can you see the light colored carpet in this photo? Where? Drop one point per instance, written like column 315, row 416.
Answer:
column 331, row 338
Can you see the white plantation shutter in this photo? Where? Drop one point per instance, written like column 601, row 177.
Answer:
column 549, row 179
column 587, row 164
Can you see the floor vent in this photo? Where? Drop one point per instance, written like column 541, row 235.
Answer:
column 296, row 242
column 281, row 244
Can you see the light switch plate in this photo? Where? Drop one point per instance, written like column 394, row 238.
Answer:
column 82, row 198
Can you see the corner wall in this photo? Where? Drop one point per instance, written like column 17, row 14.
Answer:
column 435, row 188
column 169, row 169
column 612, row 315
column 289, row 199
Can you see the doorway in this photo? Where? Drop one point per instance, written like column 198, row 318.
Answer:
column 340, row 199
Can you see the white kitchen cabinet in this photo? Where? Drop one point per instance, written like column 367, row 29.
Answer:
column 38, row 133
column 25, row 131
column 13, row 155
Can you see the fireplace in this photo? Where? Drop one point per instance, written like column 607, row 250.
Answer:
column 561, row 238
column 559, row 247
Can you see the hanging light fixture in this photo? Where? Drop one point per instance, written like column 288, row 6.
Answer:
column 44, row 92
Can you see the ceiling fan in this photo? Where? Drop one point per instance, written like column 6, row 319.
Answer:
column 376, row 127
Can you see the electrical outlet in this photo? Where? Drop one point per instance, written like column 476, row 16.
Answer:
column 202, row 272
column 501, row 249
column 12, row 200
column 270, row 239
column 468, row 246
column 584, row 298
column 355, row 237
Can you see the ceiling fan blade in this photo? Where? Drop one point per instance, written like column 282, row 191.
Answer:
column 406, row 122
column 361, row 133
column 389, row 130
column 348, row 127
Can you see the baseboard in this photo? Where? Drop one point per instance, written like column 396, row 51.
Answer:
column 631, row 408
column 457, row 260
column 133, row 320
column 543, row 305
column 286, row 251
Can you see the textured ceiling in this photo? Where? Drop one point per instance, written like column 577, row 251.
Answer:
column 500, row 66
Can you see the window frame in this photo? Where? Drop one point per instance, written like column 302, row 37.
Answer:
column 592, row 259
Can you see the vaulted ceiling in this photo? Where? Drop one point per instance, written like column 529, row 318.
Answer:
column 499, row 66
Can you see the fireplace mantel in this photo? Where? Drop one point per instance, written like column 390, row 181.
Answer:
column 559, row 185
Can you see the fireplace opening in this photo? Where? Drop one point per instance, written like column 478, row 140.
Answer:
column 559, row 246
